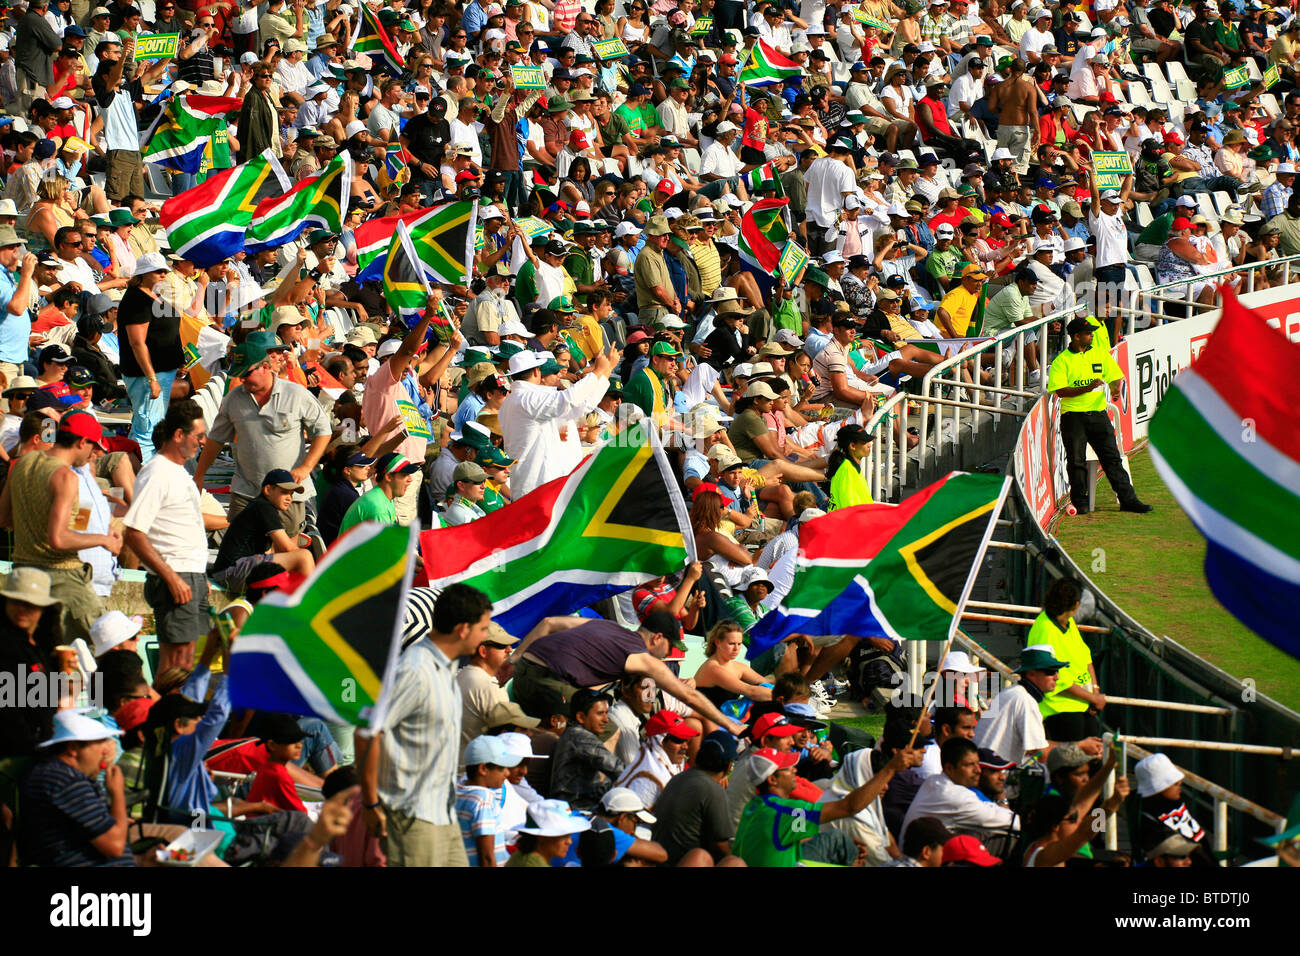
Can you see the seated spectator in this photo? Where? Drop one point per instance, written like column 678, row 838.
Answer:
column 638, row 698
column 925, row 843
column 950, row 796
column 480, row 689
column 660, row 758
column 549, row 834
column 478, row 800
column 257, row 536
column 584, row 767
column 1165, row 813
column 1058, row 826
column 273, row 783
column 618, row 816
column 1013, row 724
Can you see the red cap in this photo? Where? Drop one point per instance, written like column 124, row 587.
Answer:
column 806, row 790
column 671, row 723
column 782, row 760
column 133, row 713
column 703, row 486
column 968, row 849
column 83, row 425
column 578, row 139
column 1182, row 222
column 729, row 60
column 465, row 175
column 1002, row 219
column 58, row 389
column 1173, row 137
column 773, row 725
column 1107, row 97
column 666, row 187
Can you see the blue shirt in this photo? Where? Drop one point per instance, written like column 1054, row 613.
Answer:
column 189, row 788
column 14, row 329
column 467, row 412
column 815, row 341
column 622, row 843
column 474, row 19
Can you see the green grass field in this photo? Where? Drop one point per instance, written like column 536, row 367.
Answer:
column 1153, row 570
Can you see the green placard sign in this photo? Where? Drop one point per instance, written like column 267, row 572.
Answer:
column 609, row 49
column 702, row 27
column 1109, row 169
column 1236, row 78
column 156, row 46
column 528, row 77
column 793, row 263
column 1271, row 77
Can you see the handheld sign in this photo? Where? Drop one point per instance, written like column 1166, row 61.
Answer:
column 528, row 77
column 1236, row 78
column 532, row 227
column 702, row 27
column 609, row 49
column 1111, row 168
column 793, row 262
column 1271, row 77
column 156, row 46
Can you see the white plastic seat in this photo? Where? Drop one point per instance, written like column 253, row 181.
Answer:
column 1143, row 214
column 1222, row 201
column 691, row 157
column 1186, row 91
column 1253, row 69
column 1175, row 71
column 1160, row 87
column 1138, row 95
column 1206, row 208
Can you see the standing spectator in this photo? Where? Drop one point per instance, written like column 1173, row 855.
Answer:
column 29, row 632
column 408, row 788
column 41, row 502
column 165, row 528
column 116, row 97
column 35, row 44
column 16, row 288
column 153, row 352
column 267, row 418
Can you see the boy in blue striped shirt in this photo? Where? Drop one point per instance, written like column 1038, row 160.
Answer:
column 479, row 800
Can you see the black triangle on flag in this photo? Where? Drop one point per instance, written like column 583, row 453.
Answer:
column 368, row 625
column 943, row 563
column 645, row 503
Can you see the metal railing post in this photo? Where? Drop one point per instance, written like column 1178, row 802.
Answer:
column 1221, row 830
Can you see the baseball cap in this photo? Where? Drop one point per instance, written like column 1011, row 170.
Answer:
column 768, row 761
column 79, row 376
column 665, row 623
column 53, row 353
column 83, row 425
column 469, row 471
column 773, row 725
column 623, row 800
column 1067, row 756
column 665, row 348
column 671, row 723
column 281, row 478
column 489, row 749
column 968, row 850
column 992, row 761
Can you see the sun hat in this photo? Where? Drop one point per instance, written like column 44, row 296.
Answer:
column 1156, row 773
column 525, row 361
column 29, row 585
column 623, row 800
column 1067, row 757
column 73, row 725
column 114, row 628
column 553, row 818
column 147, row 263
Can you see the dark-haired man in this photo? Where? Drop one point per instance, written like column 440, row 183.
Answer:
column 408, row 776
column 950, row 796
column 583, row 767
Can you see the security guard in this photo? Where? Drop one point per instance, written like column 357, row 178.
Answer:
column 496, row 464
column 470, row 482
column 1076, row 377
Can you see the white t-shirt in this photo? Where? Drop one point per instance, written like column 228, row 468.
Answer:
column 828, row 181
column 382, row 118
column 466, row 134
column 1034, row 41
column 77, row 271
column 1112, row 239
column 1012, row 726
column 965, row 89
column 719, row 161
column 167, row 510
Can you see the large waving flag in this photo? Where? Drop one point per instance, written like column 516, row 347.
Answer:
column 443, row 241
column 371, row 38
column 766, row 66
column 763, row 235
column 764, row 177
column 1225, row 442
column 373, row 238
column 329, row 649
column 185, row 129
column 616, row 522
column 206, row 224
column 897, row 571
column 319, row 201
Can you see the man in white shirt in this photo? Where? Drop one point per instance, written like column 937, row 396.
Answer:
column 533, row 416
column 164, row 526
column 673, row 115
column 829, row 182
column 1013, row 724
column 966, row 89
column 1107, row 224
column 719, row 162
column 950, row 796
column 383, row 122
column 292, row 73
column 464, row 131
column 1032, row 43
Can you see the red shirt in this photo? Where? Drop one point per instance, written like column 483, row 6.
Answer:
column 274, row 785
column 755, row 135
column 953, row 218
column 938, row 115
column 50, row 317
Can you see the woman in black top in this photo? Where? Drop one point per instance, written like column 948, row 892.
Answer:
column 152, row 353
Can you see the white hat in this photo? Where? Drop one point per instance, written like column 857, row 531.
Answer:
column 1098, row 32
column 387, row 348
column 526, row 361
column 1187, row 201
column 787, row 337
column 809, row 513
column 521, row 746
column 1002, row 153
column 250, row 58
column 830, row 258
column 72, row 725
column 726, row 126
column 1110, row 195
column 626, row 229
column 485, row 749
column 112, row 629
column 512, row 327
column 851, row 202
column 898, row 209
column 959, row 662
column 672, row 212
column 8, row 208
column 1284, row 168
column 759, row 369
column 945, row 231
column 1042, row 245
column 743, row 369
column 149, row 262
column 553, row 818
column 62, row 103
column 670, row 321
column 732, row 200
column 353, row 128
column 317, row 89
column 1074, row 243
column 1156, row 773
column 492, row 212
column 623, row 800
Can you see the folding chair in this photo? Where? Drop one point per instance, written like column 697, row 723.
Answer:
column 1143, row 212
column 1222, row 201
column 1206, row 208
column 1138, row 95
column 1186, row 91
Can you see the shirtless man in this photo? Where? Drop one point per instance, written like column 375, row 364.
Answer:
column 1016, row 103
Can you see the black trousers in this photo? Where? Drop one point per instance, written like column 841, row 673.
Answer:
column 1080, row 429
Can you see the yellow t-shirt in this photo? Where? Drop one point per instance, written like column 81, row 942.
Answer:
column 1067, row 646
column 1074, row 369
column 960, row 304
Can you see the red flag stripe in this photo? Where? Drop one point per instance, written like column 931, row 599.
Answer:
column 859, row 533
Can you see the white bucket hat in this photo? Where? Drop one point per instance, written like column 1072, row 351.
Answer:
column 112, row 629
column 553, row 818
column 72, row 725
column 1156, row 773
column 959, row 662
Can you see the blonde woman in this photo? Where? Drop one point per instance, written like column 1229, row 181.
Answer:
column 724, row 676
column 52, row 211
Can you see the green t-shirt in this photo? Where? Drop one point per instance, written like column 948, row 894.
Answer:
column 1006, row 309
column 374, row 505
column 748, row 426
column 637, row 120
column 772, row 830
column 580, row 269
column 526, row 285
column 942, row 265
column 1073, row 369
column 786, row 316
column 1067, row 646
column 615, row 129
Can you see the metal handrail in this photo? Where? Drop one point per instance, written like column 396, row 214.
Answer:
column 1246, row 271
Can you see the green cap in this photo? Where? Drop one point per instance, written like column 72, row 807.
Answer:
column 408, row 26
column 550, row 367
column 813, row 274
column 508, row 349
column 679, row 84
column 558, row 104
column 562, row 303
column 246, row 357
column 320, row 235
column 1004, row 63
column 121, row 217
column 1039, row 657
column 267, row 340
column 665, row 348
column 493, row 457
column 965, row 189
column 474, row 357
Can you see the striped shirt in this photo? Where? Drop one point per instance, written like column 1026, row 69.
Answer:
column 478, row 811
column 421, row 742
column 934, row 30
column 419, row 615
